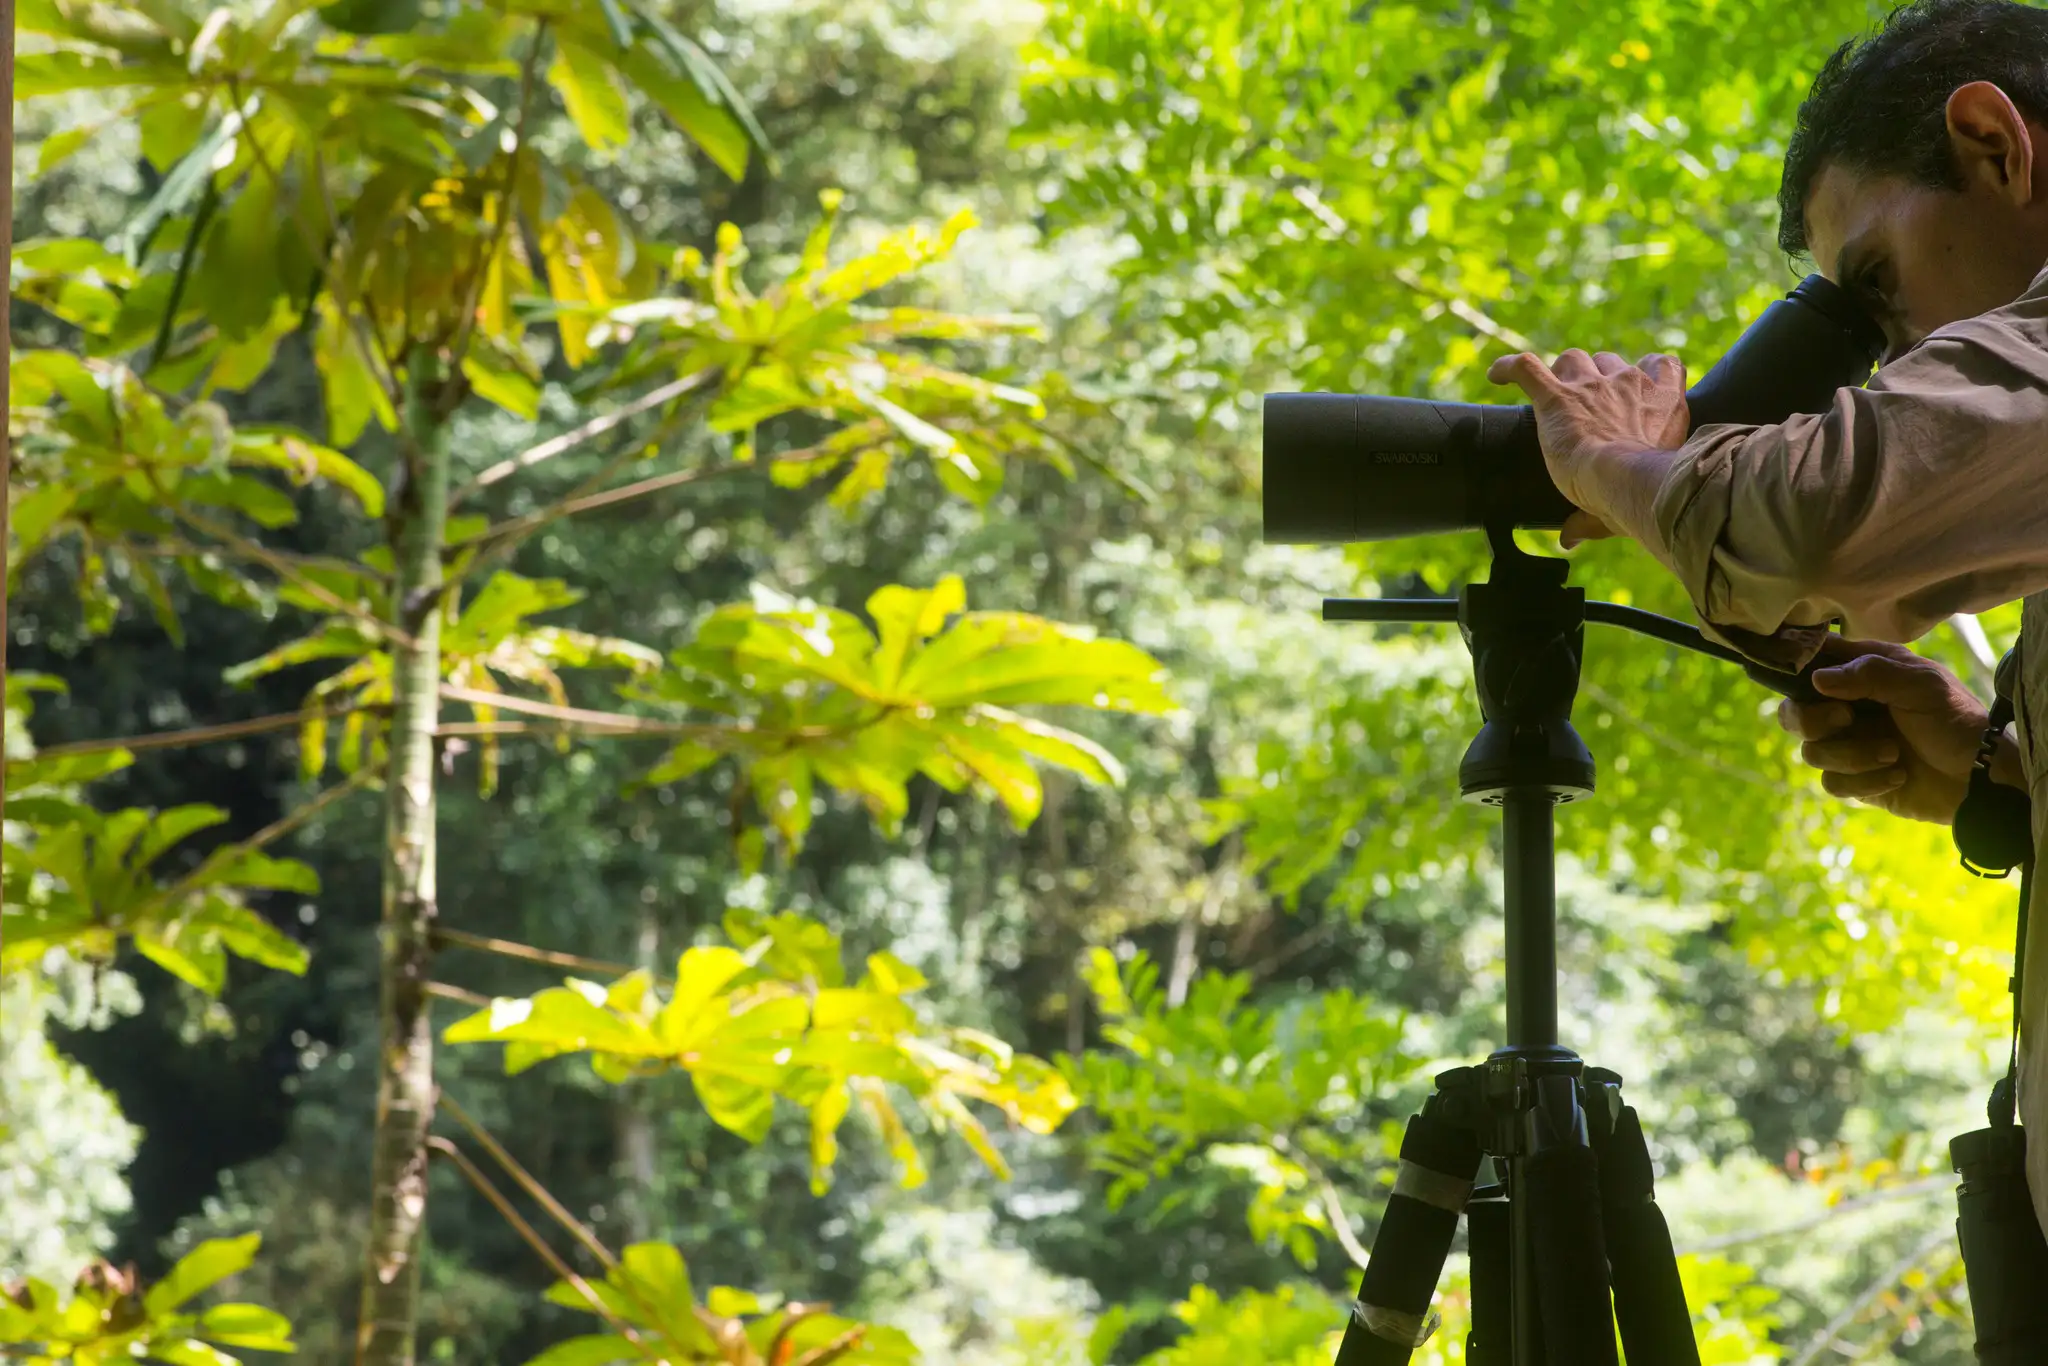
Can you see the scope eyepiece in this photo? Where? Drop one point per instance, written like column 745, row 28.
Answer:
column 1358, row 467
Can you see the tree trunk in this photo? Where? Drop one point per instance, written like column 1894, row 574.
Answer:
column 405, row 1061
column 6, row 336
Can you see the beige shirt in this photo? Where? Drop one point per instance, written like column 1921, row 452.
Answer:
column 1923, row 494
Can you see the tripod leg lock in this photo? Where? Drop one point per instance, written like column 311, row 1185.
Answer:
column 1432, row 1187
column 1407, row 1331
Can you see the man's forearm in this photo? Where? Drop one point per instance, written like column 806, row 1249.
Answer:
column 1623, row 494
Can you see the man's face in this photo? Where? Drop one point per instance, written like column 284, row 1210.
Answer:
column 1917, row 257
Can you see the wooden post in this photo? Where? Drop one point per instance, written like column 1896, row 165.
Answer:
column 6, row 337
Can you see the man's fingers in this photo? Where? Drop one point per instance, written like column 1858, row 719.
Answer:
column 1880, row 678
column 1607, row 363
column 1526, row 370
column 1661, row 367
column 1850, row 754
column 1583, row 526
column 1814, row 720
column 1863, row 786
column 1574, row 364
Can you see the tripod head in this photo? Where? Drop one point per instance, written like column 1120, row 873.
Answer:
column 1527, row 632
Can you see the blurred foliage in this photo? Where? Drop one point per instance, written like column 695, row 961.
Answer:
column 776, row 1017
column 1246, row 957
column 109, row 1317
column 647, row 1291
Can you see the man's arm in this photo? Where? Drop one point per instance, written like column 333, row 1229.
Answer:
column 1923, row 494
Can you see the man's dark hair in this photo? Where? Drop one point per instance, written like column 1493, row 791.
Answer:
column 1879, row 106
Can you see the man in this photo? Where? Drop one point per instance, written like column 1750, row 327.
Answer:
column 1917, row 177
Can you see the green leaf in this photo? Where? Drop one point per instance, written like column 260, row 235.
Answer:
column 186, row 957
column 595, row 1349
column 305, row 460
column 354, row 394
column 64, row 770
column 708, row 77
column 247, row 1325
column 189, row 1352
column 179, row 191
column 242, row 867
column 740, row 1106
column 259, row 502
column 685, row 760
column 716, row 131
column 170, row 128
column 236, row 281
column 701, row 974
column 656, row 1274
column 504, row 386
column 59, row 147
column 246, row 934
column 200, row 1269
column 590, row 92
column 37, row 514
column 55, row 73
column 891, row 974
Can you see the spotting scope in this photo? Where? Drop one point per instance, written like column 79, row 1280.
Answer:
column 1358, row 467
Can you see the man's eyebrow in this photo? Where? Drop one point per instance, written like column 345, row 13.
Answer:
column 1851, row 259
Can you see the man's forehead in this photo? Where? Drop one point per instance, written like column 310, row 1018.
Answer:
column 1844, row 211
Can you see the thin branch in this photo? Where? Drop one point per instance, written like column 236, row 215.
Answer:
column 626, row 492
column 577, row 436
column 1464, row 311
column 451, row 729
column 1890, row 1277
column 1913, row 1189
column 1341, row 1225
column 474, row 1000
column 488, row 257
column 171, row 547
column 509, row 536
column 578, row 716
column 286, row 570
column 526, row 1182
column 506, row 948
column 547, row 1201
column 446, row 1148
column 278, row 828
column 826, row 1353
column 200, row 735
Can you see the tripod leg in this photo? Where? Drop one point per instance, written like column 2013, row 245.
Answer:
column 1390, row 1318
column 1649, row 1299
column 1490, row 1342
column 1561, row 1183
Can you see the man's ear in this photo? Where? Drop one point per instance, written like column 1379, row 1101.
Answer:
column 1993, row 146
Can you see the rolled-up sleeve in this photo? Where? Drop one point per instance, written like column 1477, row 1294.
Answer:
column 1923, row 494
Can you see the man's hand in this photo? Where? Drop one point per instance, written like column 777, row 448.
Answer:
column 1915, row 762
column 1597, row 416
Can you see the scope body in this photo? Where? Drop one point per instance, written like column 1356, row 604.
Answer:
column 1358, row 467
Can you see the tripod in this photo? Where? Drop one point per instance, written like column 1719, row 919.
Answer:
column 1571, row 1215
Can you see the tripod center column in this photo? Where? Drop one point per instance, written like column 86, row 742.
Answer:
column 1529, row 846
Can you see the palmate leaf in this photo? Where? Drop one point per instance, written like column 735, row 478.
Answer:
column 928, row 689
column 104, row 885
column 650, row 1288
column 775, row 1019
column 109, row 1317
column 110, row 462
column 806, row 345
